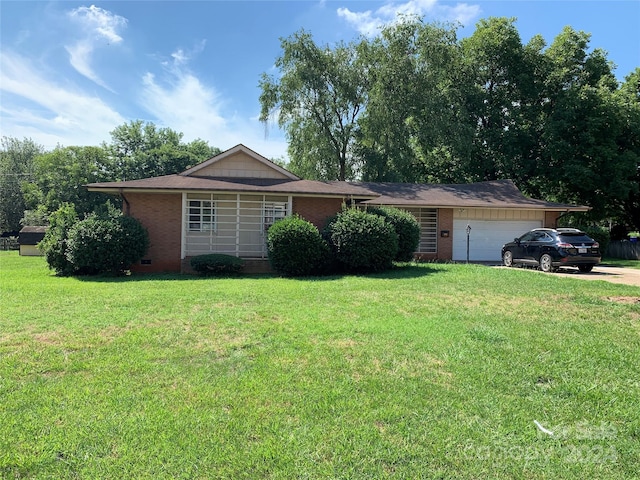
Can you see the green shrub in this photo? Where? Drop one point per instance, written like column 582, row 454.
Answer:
column 296, row 247
column 407, row 228
column 54, row 244
column 217, row 264
column 106, row 243
column 362, row 241
column 101, row 243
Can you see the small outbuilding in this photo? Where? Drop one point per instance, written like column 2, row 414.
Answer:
column 28, row 238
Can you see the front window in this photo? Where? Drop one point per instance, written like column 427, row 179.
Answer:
column 202, row 216
column 274, row 211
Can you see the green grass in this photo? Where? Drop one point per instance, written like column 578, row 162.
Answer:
column 429, row 371
column 618, row 262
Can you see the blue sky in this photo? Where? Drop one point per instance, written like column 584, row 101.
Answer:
column 71, row 72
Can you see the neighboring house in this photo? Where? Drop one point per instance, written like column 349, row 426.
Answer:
column 227, row 203
column 28, row 239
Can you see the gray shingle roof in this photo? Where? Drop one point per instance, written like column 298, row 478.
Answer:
column 258, row 185
column 492, row 194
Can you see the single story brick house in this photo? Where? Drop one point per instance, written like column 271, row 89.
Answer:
column 226, row 204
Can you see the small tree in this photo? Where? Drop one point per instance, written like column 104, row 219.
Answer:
column 296, row 247
column 362, row 241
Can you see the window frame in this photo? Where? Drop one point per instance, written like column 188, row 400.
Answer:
column 272, row 212
column 201, row 215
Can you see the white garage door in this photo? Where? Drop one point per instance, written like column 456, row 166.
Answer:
column 487, row 237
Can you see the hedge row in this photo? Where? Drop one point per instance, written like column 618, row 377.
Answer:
column 352, row 241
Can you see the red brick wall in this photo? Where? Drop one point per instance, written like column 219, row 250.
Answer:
column 161, row 215
column 445, row 244
column 316, row 210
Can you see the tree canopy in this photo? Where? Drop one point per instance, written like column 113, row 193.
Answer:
column 16, row 168
column 417, row 104
column 317, row 100
column 34, row 182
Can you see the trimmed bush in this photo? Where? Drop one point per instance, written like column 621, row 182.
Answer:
column 296, row 247
column 362, row 241
column 54, row 244
column 101, row 243
column 407, row 228
column 217, row 264
column 107, row 243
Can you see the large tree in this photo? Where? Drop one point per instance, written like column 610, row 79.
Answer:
column 16, row 167
column 583, row 157
column 316, row 99
column 137, row 150
column 501, row 101
column 414, row 127
column 629, row 145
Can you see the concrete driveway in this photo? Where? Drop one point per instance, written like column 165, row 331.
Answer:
column 626, row 276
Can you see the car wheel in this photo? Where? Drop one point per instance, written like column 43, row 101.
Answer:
column 507, row 258
column 585, row 268
column 546, row 264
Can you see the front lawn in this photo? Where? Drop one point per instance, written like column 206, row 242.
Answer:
column 429, row 371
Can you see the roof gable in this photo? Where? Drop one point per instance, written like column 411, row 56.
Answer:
column 239, row 162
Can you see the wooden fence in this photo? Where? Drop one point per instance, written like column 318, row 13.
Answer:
column 9, row 243
column 624, row 249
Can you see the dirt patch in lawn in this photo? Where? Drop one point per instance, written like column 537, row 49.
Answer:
column 627, row 300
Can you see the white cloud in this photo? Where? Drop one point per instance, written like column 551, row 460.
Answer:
column 182, row 57
column 178, row 99
column 56, row 114
column 98, row 27
column 80, row 59
column 184, row 103
column 463, row 13
column 364, row 22
column 98, row 23
column 370, row 22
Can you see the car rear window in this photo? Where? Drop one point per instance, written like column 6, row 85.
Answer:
column 575, row 238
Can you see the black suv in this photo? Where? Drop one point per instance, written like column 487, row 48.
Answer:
column 550, row 248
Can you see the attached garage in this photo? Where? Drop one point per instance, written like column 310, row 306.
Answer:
column 496, row 211
column 486, row 237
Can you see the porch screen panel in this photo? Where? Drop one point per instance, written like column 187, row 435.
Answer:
column 224, row 240
column 221, row 237
column 240, row 226
column 428, row 220
column 251, row 241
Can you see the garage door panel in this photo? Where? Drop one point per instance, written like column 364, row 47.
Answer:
column 486, row 237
